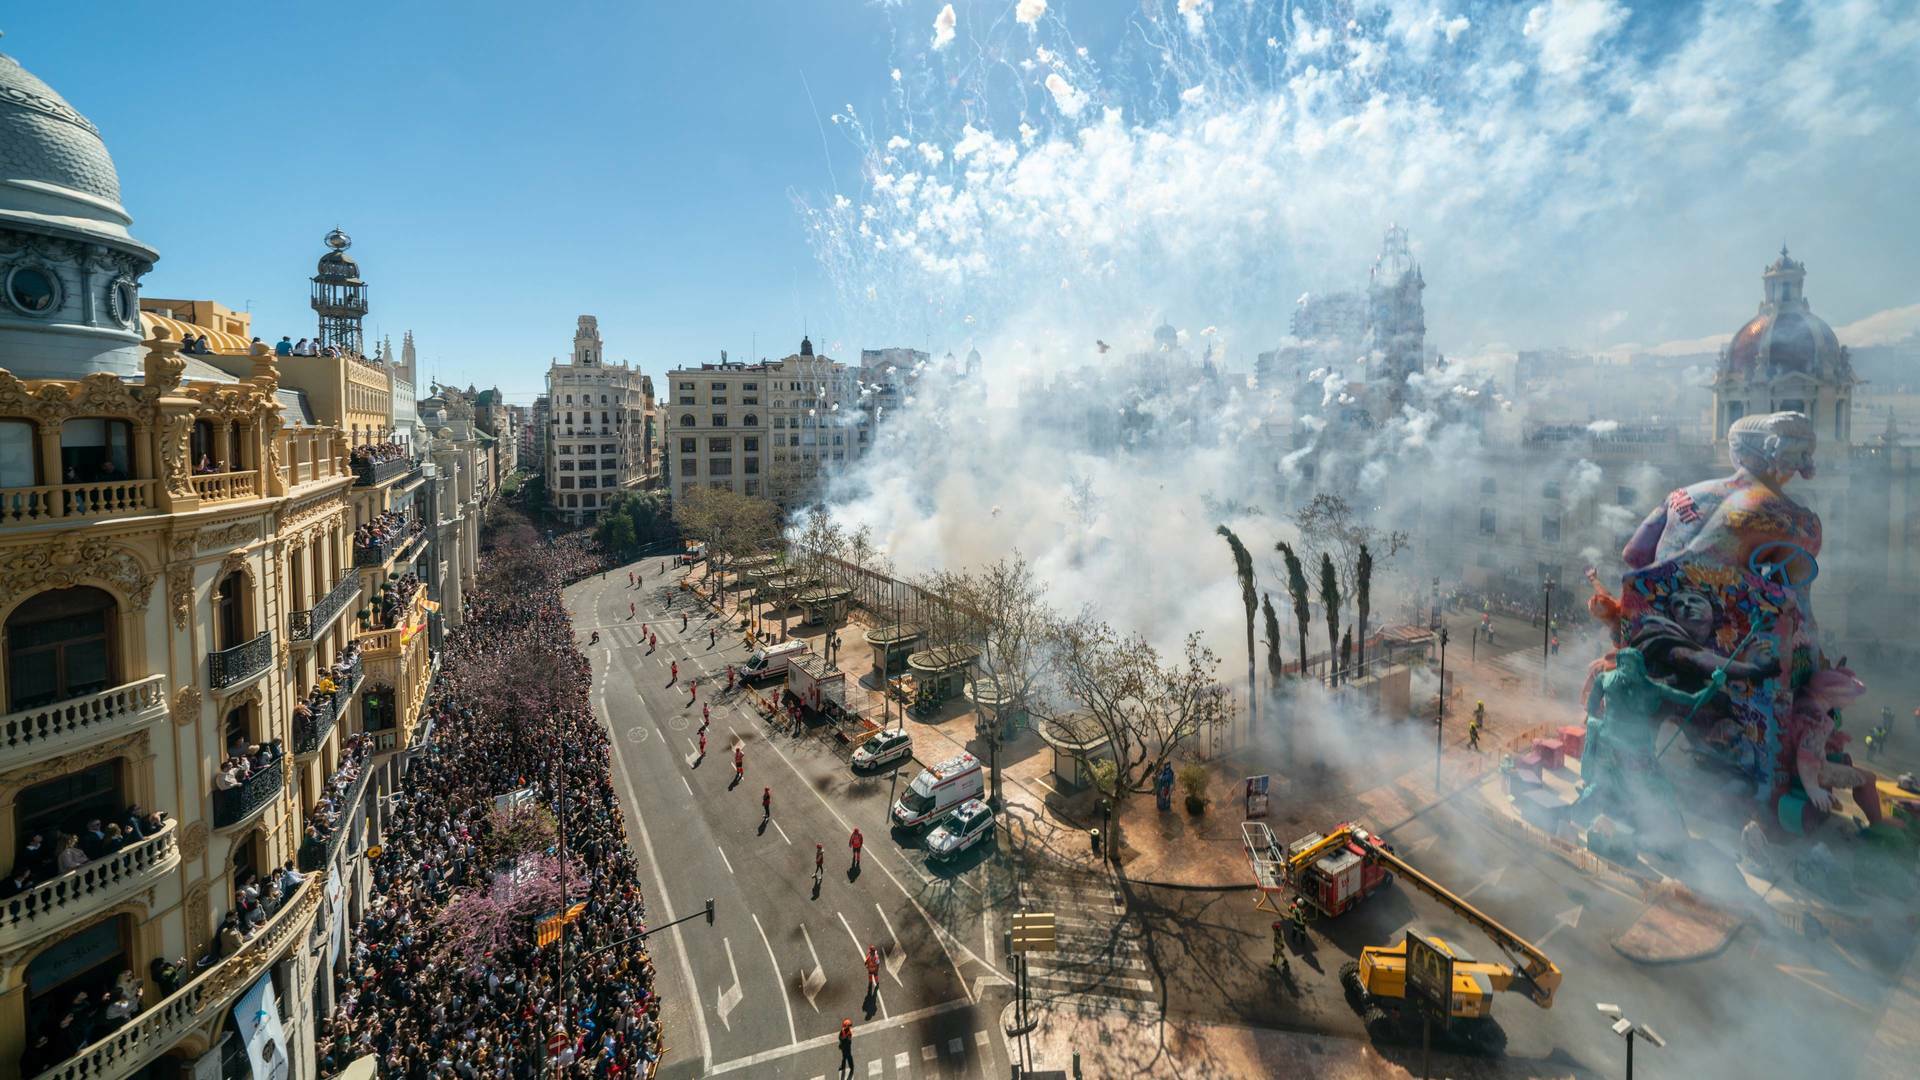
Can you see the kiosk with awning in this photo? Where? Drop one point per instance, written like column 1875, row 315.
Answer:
column 938, row 674
column 1080, row 740
column 891, row 647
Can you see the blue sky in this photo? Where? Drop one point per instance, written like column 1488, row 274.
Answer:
column 1573, row 172
column 502, row 167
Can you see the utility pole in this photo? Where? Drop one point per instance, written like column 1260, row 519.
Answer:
column 1440, row 714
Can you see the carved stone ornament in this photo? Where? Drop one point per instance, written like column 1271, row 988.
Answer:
column 134, row 746
column 237, row 560
column 199, row 924
column 193, row 842
column 186, row 705
column 239, row 532
column 176, row 452
column 69, row 561
column 330, row 506
column 180, row 593
column 52, row 401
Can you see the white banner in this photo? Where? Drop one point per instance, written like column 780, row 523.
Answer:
column 337, row 912
column 256, row 1017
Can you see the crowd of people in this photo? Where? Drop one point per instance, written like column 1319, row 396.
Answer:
column 377, row 453
column 393, row 525
column 324, row 820
column 333, row 678
column 40, row 861
column 243, row 760
column 510, row 711
column 391, row 607
column 286, row 346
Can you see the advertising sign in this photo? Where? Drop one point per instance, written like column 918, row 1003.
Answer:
column 256, row 1018
column 1257, row 795
column 1429, row 977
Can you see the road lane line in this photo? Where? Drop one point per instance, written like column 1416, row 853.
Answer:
column 666, row 902
column 813, row 981
column 723, row 857
column 793, row 1031
column 861, row 950
column 986, row 934
column 683, row 780
column 781, row 831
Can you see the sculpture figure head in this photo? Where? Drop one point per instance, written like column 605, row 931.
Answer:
column 1692, row 611
column 1773, row 446
column 1630, row 663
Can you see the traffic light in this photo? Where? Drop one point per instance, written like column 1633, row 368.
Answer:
column 709, row 911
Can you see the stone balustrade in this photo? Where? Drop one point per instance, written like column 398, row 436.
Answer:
column 74, row 502
column 65, row 900
column 227, row 486
column 153, row 1032
column 35, row 734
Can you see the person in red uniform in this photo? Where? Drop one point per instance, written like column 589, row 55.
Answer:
column 766, row 803
column 873, row 967
column 856, row 842
column 846, row 1047
column 739, row 762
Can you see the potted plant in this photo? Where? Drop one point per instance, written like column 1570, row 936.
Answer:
column 1193, row 780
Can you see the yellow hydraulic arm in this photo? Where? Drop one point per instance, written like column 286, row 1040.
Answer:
column 1538, row 975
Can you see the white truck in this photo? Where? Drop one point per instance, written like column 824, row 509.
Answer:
column 809, row 681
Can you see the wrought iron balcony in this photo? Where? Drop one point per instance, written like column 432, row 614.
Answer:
column 303, row 625
column 34, row 734
column 229, row 667
column 320, row 856
column 160, row 1028
column 99, row 884
column 234, row 805
column 368, row 475
column 310, row 732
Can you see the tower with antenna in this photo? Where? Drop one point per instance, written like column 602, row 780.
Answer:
column 340, row 296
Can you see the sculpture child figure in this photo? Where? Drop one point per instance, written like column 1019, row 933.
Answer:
column 1620, row 767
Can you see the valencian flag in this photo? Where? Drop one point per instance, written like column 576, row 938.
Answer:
column 547, row 930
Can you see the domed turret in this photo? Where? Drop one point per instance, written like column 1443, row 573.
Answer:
column 69, row 299
column 1786, row 336
column 806, row 346
column 339, row 296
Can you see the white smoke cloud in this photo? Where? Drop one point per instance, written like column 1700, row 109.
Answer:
column 1065, row 97
column 943, row 24
column 1569, row 32
column 1028, row 12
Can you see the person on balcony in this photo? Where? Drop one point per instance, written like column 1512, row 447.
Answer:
column 19, row 882
column 70, row 856
column 228, row 777
column 284, row 347
column 36, row 856
column 117, row 838
column 94, row 840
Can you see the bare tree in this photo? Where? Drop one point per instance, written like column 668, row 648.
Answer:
column 1250, row 599
column 1142, row 707
column 1001, row 611
column 1329, row 525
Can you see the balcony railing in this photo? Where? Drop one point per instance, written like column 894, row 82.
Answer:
column 216, row 487
column 33, row 734
column 303, row 625
column 367, row 475
column 320, row 856
column 101, row 883
column 309, row 733
column 234, row 805
column 68, row 502
column 229, row 667
column 161, row 1027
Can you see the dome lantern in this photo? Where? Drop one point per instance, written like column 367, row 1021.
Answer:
column 339, row 296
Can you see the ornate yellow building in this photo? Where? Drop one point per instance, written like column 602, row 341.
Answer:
column 184, row 582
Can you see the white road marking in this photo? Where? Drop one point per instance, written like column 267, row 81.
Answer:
column 928, row 1053
column 683, row 780
column 812, row 982
column 1044, row 784
column 781, row 831
column 896, row 956
column 723, row 857
column 980, row 1039
column 725, row 1001
column 873, row 1067
column 793, row 1032
column 986, row 934
column 900, row 1061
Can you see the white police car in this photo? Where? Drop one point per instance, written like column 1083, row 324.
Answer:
column 884, row 748
column 970, row 824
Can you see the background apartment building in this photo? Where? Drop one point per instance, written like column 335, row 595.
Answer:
column 768, row 430
column 598, row 428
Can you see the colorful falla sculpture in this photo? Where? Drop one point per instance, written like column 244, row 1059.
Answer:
column 1718, row 591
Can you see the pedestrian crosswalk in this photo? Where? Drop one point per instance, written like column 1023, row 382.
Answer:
column 953, row 1057
column 1095, row 952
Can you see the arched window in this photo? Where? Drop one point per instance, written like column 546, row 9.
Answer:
column 230, row 611
column 17, row 446
column 86, row 962
column 686, row 420
column 751, row 421
column 60, row 645
column 94, row 449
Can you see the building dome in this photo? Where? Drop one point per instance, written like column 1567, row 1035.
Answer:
column 70, row 285
column 336, row 264
column 1786, row 336
column 55, row 172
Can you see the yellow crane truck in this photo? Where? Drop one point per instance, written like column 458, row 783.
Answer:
column 1376, row 984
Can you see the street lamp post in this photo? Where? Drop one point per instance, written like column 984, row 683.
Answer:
column 1629, row 1031
column 1434, row 623
column 1440, row 714
column 1546, row 632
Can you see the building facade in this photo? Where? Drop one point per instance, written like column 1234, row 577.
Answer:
column 771, row 430
column 214, row 623
column 598, row 429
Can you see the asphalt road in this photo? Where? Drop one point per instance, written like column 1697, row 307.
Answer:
column 762, row 991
